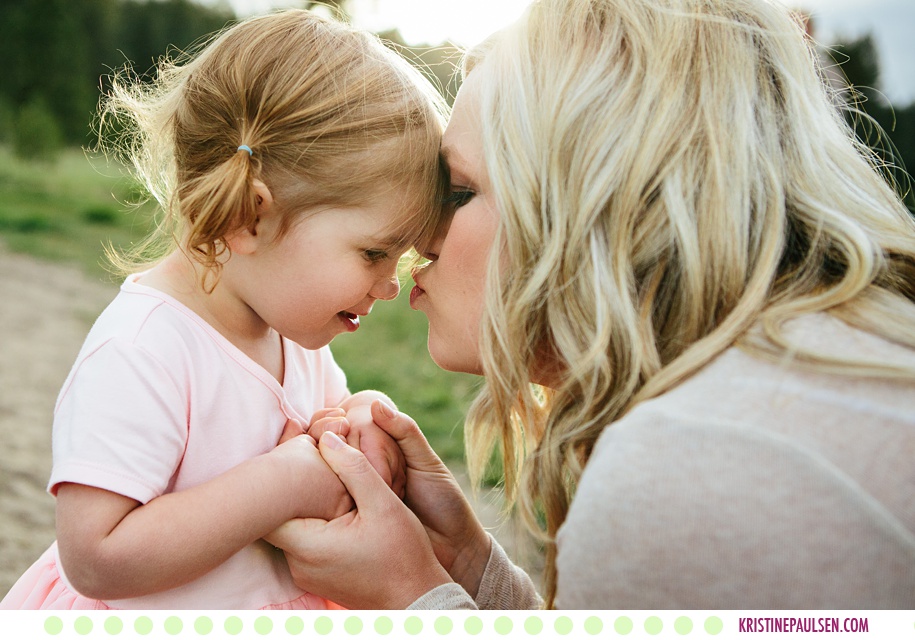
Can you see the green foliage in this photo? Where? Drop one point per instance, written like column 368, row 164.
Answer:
column 47, row 213
column 893, row 138
column 37, row 134
column 60, row 51
column 439, row 63
column 7, row 121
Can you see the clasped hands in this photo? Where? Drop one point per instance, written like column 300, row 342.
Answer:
column 411, row 529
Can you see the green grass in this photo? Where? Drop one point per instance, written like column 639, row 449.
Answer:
column 66, row 210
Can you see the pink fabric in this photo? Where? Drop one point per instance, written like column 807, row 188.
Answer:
column 42, row 587
column 158, row 401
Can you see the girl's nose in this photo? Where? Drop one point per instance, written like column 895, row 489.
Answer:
column 386, row 289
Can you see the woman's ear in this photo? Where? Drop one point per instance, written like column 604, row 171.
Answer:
column 247, row 239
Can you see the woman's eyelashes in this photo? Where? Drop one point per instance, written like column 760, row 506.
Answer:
column 458, row 197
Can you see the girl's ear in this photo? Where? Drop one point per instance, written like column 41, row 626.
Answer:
column 247, row 239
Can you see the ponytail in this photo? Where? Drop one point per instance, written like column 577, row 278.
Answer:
column 218, row 203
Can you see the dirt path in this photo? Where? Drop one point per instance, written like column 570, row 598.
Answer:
column 45, row 312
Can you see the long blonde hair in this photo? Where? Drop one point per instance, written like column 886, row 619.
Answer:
column 332, row 117
column 668, row 174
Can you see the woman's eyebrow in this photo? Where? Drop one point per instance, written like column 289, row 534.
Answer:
column 452, row 158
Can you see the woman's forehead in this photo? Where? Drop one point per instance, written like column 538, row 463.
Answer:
column 461, row 142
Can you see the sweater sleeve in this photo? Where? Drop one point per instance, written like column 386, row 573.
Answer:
column 504, row 586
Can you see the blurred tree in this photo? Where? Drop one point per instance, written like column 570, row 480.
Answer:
column 340, row 8
column 37, row 135
column 440, row 63
column 57, row 51
column 893, row 140
column 44, row 49
column 148, row 30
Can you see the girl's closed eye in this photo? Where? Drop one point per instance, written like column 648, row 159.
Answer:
column 375, row 255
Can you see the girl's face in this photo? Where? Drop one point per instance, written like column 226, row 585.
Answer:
column 315, row 281
column 450, row 289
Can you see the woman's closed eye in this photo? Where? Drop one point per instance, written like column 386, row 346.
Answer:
column 458, row 198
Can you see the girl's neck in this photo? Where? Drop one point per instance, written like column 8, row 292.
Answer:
column 181, row 278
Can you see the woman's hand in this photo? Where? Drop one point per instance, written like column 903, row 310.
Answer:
column 357, row 427
column 312, row 487
column 376, row 557
column 457, row 539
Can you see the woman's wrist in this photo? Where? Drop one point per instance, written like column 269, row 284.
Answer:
column 470, row 563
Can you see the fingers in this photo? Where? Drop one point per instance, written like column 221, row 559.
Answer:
column 328, row 412
column 368, row 489
column 334, row 424
column 292, row 429
column 401, row 427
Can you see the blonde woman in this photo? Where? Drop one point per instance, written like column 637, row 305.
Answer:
column 661, row 222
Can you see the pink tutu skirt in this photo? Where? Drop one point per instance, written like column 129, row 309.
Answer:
column 41, row 587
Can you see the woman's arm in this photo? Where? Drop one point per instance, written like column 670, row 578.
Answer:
column 112, row 547
column 384, row 542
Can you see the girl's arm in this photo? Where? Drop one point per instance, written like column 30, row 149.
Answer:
column 112, row 547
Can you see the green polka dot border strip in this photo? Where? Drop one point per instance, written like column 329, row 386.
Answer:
column 449, row 625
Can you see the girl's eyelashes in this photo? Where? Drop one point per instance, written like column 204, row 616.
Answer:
column 458, row 197
column 375, row 255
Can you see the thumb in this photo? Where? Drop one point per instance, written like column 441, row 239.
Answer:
column 363, row 483
column 416, row 449
column 290, row 535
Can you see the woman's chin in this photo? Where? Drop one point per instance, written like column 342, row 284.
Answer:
column 451, row 360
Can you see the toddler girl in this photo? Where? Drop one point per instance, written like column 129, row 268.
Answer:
column 296, row 159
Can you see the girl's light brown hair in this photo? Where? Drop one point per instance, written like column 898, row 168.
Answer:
column 673, row 178
column 331, row 115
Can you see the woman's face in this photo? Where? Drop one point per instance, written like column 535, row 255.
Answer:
column 450, row 289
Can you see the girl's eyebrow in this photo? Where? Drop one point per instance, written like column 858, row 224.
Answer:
column 394, row 239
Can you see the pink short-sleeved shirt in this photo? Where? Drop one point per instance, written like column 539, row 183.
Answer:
column 158, row 401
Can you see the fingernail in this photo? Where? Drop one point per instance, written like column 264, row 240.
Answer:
column 332, row 440
column 386, row 410
column 331, row 413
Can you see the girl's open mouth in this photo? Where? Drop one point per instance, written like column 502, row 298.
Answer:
column 350, row 320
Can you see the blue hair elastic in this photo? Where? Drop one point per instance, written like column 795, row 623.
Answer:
column 244, row 147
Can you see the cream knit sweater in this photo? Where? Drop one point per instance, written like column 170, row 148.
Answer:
column 752, row 485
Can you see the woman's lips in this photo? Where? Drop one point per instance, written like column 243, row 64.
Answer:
column 415, row 294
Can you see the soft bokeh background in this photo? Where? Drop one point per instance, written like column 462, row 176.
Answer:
column 59, row 204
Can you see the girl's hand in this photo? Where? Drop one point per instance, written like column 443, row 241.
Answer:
column 375, row 557
column 315, row 490
column 458, row 541
column 294, row 429
column 357, row 427
column 379, row 448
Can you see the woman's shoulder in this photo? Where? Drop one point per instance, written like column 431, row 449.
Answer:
column 737, row 487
